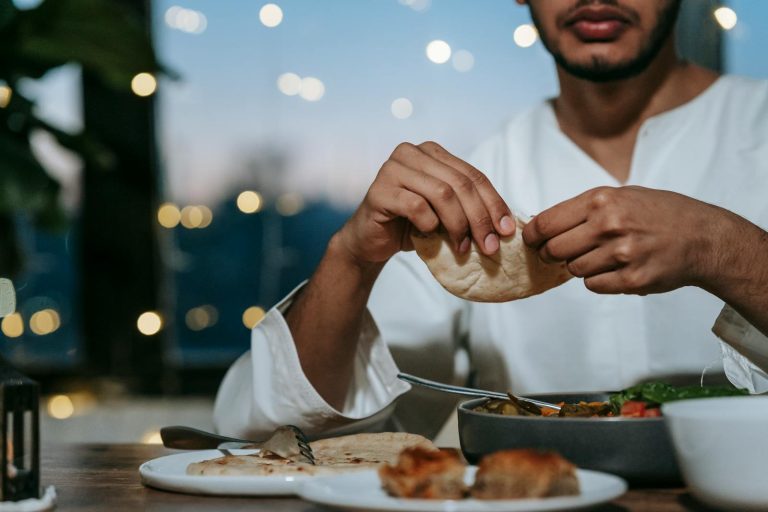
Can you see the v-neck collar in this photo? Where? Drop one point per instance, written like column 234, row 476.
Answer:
column 632, row 177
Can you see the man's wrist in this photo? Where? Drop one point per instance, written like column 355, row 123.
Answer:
column 735, row 264
column 338, row 251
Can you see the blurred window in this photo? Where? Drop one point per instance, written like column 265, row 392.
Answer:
column 278, row 123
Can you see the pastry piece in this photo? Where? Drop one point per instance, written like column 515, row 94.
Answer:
column 333, row 455
column 513, row 474
column 425, row 474
column 514, row 272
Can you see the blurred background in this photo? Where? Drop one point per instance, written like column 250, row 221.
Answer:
column 169, row 169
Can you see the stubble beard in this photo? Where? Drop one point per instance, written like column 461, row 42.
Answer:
column 600, row 70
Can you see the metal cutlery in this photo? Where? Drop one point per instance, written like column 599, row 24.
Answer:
column 287, row 441
column 460, row 390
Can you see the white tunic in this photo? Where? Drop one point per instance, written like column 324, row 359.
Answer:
column 714, row 148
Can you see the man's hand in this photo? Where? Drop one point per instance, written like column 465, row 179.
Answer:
column 425, row 186
column 632, row 239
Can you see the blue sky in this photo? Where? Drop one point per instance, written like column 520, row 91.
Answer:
column 227, row 109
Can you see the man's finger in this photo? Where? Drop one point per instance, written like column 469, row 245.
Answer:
column 441, row 197
column 557, row 219
column 595, row 262
column 399, row 202
column 501, row 215
column 569, row 245
column 479, row 219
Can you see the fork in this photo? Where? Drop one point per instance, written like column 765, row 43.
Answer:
column 286, row 441
column 460, row 390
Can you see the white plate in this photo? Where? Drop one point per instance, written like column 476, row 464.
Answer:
column 170, row 473
column 362, row 491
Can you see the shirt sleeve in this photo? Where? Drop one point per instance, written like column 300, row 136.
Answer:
column 745, row 351
column 266, row 387
column 409, row 315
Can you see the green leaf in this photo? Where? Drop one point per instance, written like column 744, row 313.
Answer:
column 104, row 36
column 7, row 13
column 656, row 393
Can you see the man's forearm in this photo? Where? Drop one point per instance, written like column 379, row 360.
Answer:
column 326, row 318
column 740, row 273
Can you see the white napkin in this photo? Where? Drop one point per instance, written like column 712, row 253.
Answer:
column 46, row 502
column 7, row 297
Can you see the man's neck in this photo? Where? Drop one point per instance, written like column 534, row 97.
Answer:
column 604, row 118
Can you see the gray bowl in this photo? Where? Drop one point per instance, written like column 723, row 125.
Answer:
column 637, row 449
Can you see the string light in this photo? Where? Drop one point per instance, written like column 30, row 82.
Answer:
column 144, row 84
column 249, row 201
column 252, row 316
column 6, row 93
column 726, row 17
column 525, row 35
column 402, row 108
column 168, row 215
column 149, row 323
column 438, row 51
column 12, row 325
column 61, row 407
column 271, row 15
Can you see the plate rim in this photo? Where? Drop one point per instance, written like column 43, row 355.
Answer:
column 214, row 485
column 310, row 490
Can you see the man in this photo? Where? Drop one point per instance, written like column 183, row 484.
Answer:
column 644, row 169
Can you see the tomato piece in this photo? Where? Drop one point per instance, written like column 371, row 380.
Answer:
column 633, row 409
column 652, row 412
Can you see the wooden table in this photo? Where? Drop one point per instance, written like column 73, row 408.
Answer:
column 104, row 477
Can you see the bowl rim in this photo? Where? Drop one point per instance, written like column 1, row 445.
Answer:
column 465, row 407
column 689, row 408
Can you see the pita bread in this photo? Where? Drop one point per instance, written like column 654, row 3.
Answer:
column 514, row 272
column 332, row 455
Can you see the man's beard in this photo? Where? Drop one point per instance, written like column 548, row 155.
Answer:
column 601, row 71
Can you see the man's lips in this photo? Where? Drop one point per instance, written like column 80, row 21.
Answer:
column 602, row 23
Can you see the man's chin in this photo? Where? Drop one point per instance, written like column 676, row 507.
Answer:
column 600, row 70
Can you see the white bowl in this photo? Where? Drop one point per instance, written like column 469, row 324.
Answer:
column 722, row 448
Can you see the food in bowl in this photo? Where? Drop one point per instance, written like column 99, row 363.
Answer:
column 641, row 401
column 721, row 445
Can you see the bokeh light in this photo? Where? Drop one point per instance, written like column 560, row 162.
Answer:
column 60, row 407
column 144, row 84
column 207, row 216
column 252, row 316
column 726, row 17
column 6, row 93
column 289, row 204
column 417, row 5
column 12, row 325
column 438, row 51
column 271, row 15
column 186, row 20
column 525, row 35
column 151, row 436
column 201, row 317
column 289, row 84
column 192, row 217
column 463, row 61
column 312, row 89
column 168, row 215
column 402, row 108
column 249, row 201
column 44, row 322
column 149, row 323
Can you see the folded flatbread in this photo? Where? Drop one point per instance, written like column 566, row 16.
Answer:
column 514, row 272
column 332, row 455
